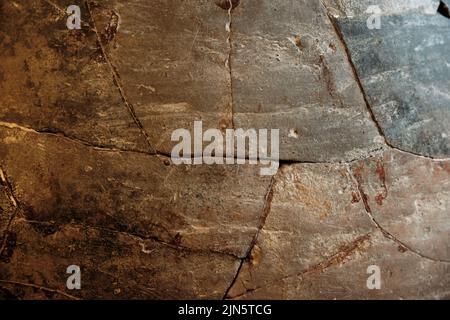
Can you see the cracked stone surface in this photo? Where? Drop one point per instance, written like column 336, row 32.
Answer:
column 57, row 81
column 86, row 118
column 365, row 218
column 290, row 71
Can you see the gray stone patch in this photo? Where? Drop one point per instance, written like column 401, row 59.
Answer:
column 404, row 68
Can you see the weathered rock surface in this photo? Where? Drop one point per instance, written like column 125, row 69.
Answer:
column 327, row 224
column 290, row 71
column 54, row 80
column 140, row 199
column 86, row 118
column 133, row 192
column 342, row 275
column 172, row 60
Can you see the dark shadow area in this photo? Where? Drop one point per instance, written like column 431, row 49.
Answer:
column 444, row 10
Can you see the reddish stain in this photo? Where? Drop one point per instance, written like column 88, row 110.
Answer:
column 446, row 166
column 358, row 172
column 381, row 172
column 379, row 199
column 355, row 197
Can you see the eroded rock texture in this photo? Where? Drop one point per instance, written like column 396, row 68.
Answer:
column 86, row 118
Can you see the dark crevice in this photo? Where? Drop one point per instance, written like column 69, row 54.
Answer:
column 356, row 76
column 262, row 221
column 137, row 236
column 227, row 4
column 231, row 5
column 342, row 255
column 50, row 131
column 97, row 146
column 6, row 236
column 444, row 10
column 118, row 83
column 34, row 286
column 236, row 276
